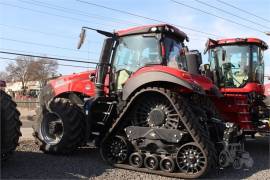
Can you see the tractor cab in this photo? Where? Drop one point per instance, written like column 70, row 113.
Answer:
column 128, row 51
column 145, row 47
column 237, row 68
column 235, row 63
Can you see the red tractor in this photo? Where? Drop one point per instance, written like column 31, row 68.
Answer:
column 142, row 108
column 237, row 68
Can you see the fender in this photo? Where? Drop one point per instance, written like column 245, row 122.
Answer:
column 137, row 81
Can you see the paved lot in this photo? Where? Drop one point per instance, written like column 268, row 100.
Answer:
column 29, row 163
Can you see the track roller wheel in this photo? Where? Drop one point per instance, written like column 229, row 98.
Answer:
column 136, row 159
column 224, row 159
column 117, row 151
column 237, row 164
column 151, row 162
column 191, row 159
column 167, row 164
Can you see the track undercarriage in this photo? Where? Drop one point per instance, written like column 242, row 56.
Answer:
column 160, row 134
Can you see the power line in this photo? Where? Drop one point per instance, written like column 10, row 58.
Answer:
column 227, row 12
column 45, row 33
column 78, row 12
column 247, row 12
column 45, row 45
column 76, row 19
column 43, row 54
column 206, row 12
column 68, row 65
column 37, row 31
column 64, row 9
column 45, row 57
column 51, row 14
column 144, row 17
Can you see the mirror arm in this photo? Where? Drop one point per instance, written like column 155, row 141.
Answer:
column 105, row 33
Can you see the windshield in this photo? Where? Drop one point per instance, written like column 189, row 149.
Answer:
column 137, row 51
column 236, row 65
column 175, row 54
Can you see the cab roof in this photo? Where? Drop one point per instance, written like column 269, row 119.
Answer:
column 231, row 41
column 154, row 28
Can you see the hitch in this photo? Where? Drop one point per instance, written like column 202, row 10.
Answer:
column 233, row 152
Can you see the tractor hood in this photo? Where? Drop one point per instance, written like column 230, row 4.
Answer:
column 74, row 83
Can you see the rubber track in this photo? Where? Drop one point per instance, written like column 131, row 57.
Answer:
column 187, row 119
column 10, row 125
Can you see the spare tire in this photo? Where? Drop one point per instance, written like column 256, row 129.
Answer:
column 60, row 129
column 10, row 125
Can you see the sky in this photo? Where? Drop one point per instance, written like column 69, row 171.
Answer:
column 52, row 27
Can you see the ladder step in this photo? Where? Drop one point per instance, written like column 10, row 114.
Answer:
column 107, row 102
column 96, row 133
column 100, row 123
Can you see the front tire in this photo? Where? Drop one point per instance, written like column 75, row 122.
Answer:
column 60, row 130
column 10, row 125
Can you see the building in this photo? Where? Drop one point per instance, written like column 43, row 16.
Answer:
column 16, row 89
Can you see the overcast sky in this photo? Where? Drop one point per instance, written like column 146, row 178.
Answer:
column 53, row 26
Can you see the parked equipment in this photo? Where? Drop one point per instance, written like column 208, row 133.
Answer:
column 10, row 125
column 141, row 108
column 237, row 68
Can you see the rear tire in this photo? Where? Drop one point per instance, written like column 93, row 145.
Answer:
column 10, row 125
column 59, row 131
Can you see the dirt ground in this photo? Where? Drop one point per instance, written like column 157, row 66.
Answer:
column 30, row 163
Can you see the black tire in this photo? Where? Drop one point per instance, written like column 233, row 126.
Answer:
column 10, row 125
column 72, row 132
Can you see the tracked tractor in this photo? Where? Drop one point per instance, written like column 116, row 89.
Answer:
column 144, row 111
column 237, row 68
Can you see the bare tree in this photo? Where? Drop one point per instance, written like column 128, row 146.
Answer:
column 44, row 68
column 4, row 76
column 21, row 70
column 27, row 69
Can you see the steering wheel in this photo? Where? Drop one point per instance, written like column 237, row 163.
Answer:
column 227, row 66
column 236, row 73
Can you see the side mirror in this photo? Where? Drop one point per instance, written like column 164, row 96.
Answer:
column 223, row 55
column 82, row 38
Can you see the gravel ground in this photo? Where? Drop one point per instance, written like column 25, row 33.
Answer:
column 29, row 163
